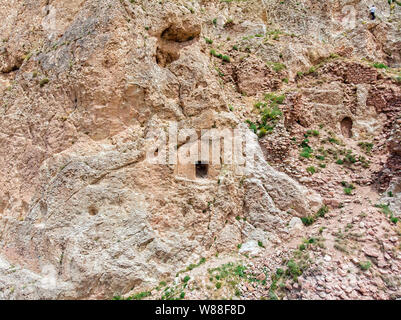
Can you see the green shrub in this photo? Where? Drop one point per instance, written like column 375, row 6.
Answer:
column 311, row 169
column 366, row 146
column 365, row 265
column 218, row 285
column 186, row 279
column 348, row 191
column 209, row 41
column 271, row 114
column 349, row 157
column 306, row 152
column 141, row 295
column 44, row 81
column 307, row 221
column 322, row 211
column 276, row 66
column 262, row 132
column 314, row 133
column 279, row 99
column 293, row 269
column 333, row 140
column 226, row 58
column 252, row 126
column 379, row 65
column 311, row 240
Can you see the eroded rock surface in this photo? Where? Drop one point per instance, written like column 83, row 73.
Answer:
column 87, row 87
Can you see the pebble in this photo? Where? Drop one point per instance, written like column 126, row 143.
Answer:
column 327, row 258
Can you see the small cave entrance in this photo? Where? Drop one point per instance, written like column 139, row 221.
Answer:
column 346, row 127
column 166, row 54
column 201, row 169
column 92, row 210
column 173, row 39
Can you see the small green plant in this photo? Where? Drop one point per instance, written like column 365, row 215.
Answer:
column 208, row 41
column 293, row 270
column 385, row 208
column 219, row 55
column 334, row 140
column 44, row 81
column 218, row 285
column 269, row 115
column 311, row 169
column 307, row 221
column 379, row 65
column 314, row 133
column 229, row 22
column 278, row 99
column 349, row 157
column 348, row 191
column 141, row 295
column 366, row 146
column 226, row 58
column 311, row 240
column 276, row 66
column 365, row 265
column 322, row 211
column 186, row 279
column 260, row 244
column 306, row 152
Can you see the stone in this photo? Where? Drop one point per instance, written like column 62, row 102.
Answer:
column 250, row 248
column 296, row 223
column 88, row 91
column 327, row 258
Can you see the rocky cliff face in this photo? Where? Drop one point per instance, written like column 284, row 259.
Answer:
column 87, row 88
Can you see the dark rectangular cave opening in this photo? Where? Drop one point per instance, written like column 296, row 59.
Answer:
column 202, row 169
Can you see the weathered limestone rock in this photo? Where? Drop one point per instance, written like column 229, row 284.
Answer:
column 88, row 87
